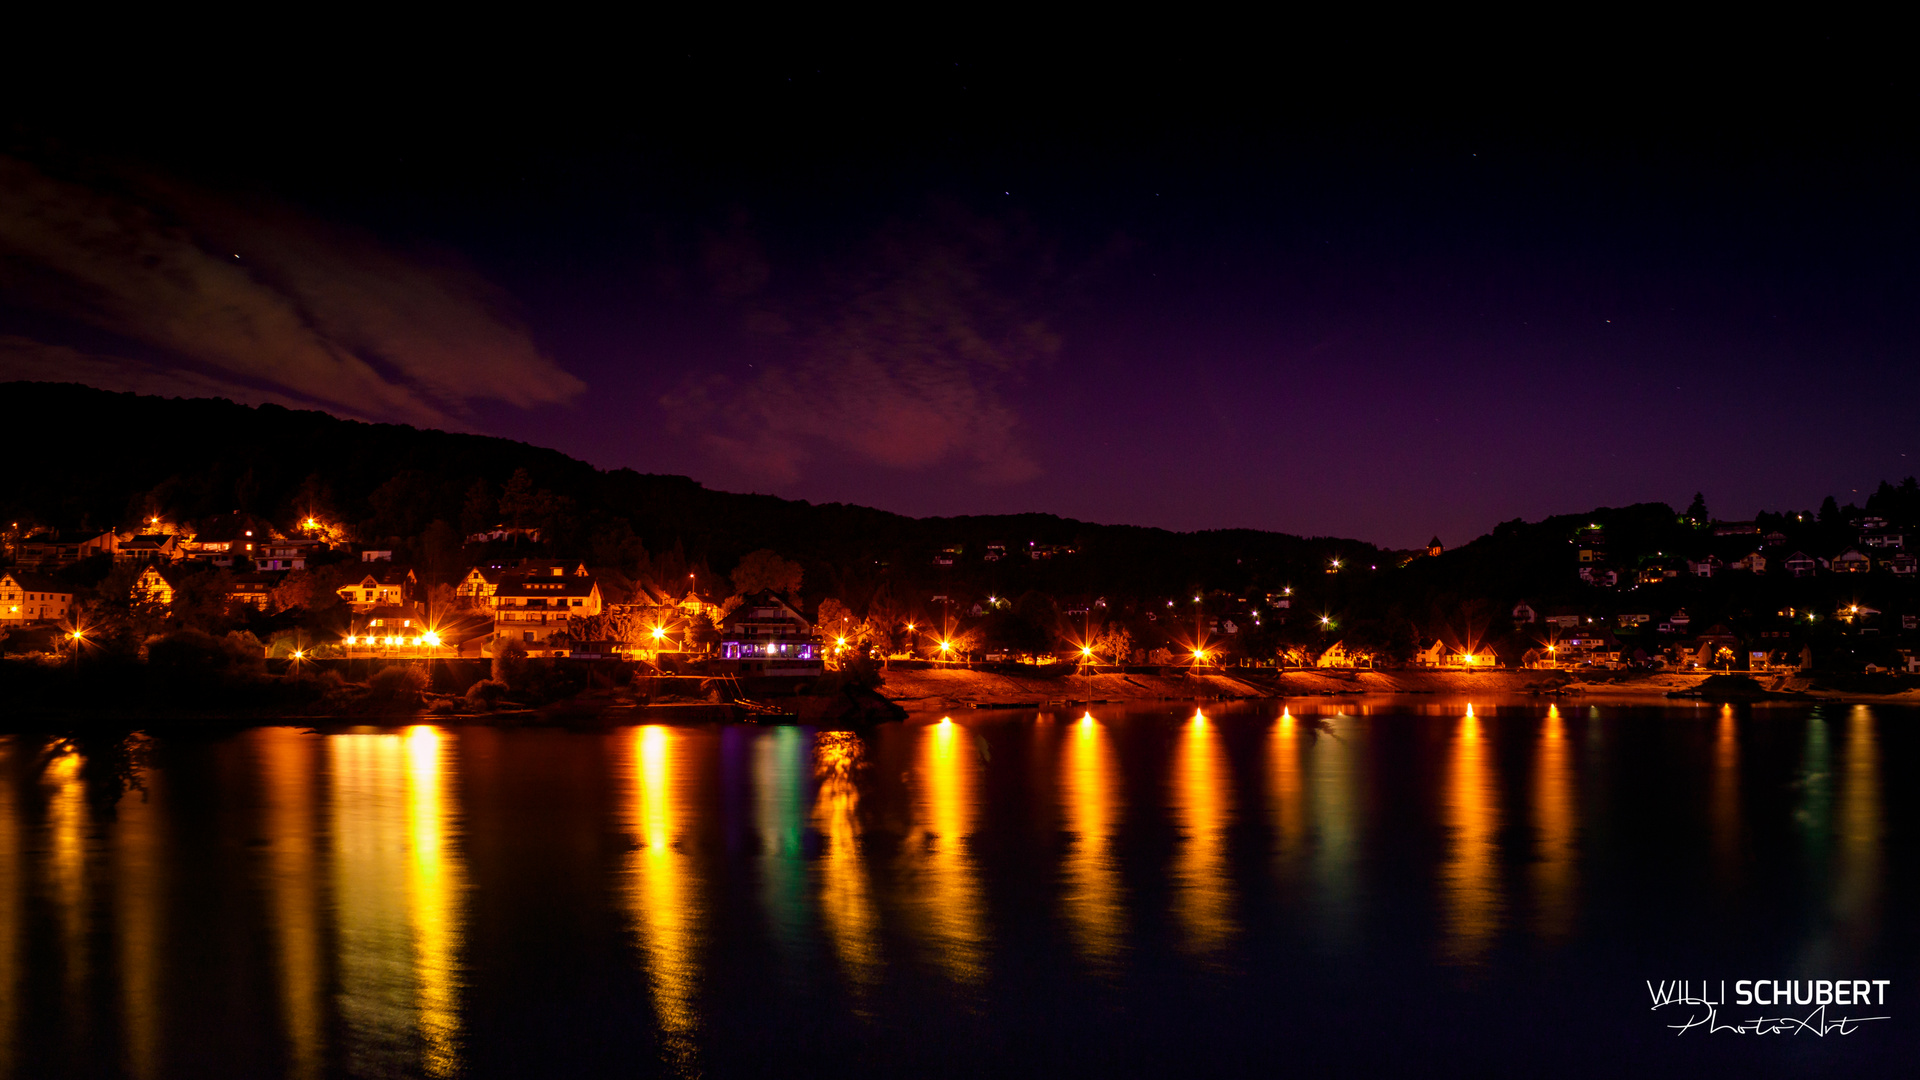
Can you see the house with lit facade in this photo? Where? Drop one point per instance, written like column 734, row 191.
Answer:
column 148, row 547
column 478, row 588
column 382, row 583
column 396, row 630
column 287, row 554
column 1852, row 561
column 534, row 611
column 766, row 636
column 154, row 587
column 27, row 598
column 254, row 590
column 1337, row 656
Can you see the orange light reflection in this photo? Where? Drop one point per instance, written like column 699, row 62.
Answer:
column 664, row 895
column 292, row 874
column 1554, row 815
column 1092, row 895
column 951, row 906
column 846, row 896
column 1201, row 804
column 1470, row 884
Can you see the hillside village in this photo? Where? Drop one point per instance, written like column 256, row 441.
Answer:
column 1829, row 591
column 410, row 545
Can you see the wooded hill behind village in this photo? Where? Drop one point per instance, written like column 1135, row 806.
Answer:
column 1832, row 585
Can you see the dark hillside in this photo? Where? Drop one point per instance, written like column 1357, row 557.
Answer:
column 126, row 457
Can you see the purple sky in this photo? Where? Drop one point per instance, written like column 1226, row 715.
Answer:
column 1193, row 292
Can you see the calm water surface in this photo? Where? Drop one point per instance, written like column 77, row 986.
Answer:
column 1362, row 888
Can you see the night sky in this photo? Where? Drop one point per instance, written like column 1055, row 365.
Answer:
column 1314, row 286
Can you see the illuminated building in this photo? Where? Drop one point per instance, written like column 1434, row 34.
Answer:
column 287, row 554
column 254, row 590
column 385, row 585
column 534, row 610
column 148, row 547
column 482, row 583
column 766, row 636
column 154, row 586
column 30, row 598
column 395, row 630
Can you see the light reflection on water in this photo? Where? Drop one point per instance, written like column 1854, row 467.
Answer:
column 889, row 871
column 1725, row 811
column 1337, row 817
column 940, row 865
column 12, row 881
column 665, row 894
column 1554, row 808
column 287, row 760
column 66, row 875
column 139, row 866
column 1471, row 898
column 846, row 896
column 1289, row 793
column 1859, row 856
column 398, row 885
column 1090, row 870
column 782, row 767
column 1202, row 803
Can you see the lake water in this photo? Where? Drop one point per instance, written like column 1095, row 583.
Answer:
column 1366, row 888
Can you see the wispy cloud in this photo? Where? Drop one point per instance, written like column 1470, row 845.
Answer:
column 263, row 300
column 35, row 361
column 905, row 361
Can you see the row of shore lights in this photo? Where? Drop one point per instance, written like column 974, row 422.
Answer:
column 429, row 639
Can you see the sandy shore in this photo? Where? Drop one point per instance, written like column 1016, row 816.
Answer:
column 954, row 688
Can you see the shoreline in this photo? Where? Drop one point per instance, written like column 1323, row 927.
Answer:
column 961, row 690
